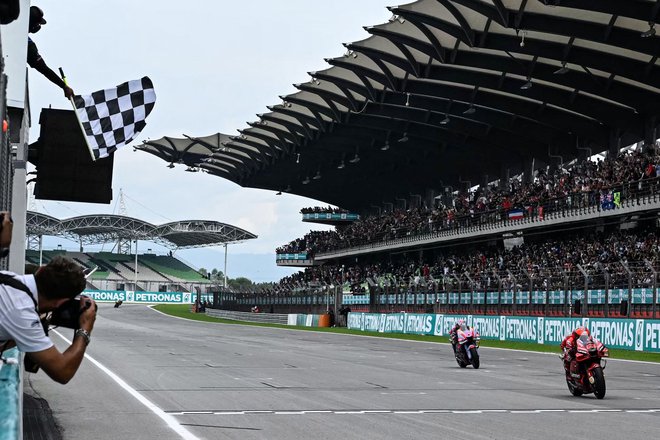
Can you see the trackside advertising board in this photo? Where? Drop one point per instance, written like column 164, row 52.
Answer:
column 627, row 334
column 141, row 297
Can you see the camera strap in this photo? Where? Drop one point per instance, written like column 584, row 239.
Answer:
column 10, row 281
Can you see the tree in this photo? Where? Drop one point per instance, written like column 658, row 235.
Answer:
column 240, row 283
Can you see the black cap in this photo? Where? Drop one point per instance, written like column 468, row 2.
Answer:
column 36, row 16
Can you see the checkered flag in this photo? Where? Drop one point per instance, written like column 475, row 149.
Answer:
column 112, row 118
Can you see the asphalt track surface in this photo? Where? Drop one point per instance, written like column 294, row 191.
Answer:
column 216, row 381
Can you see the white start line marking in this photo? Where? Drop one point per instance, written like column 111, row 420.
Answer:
column 410, row 411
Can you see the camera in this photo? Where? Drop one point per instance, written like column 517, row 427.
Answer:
column 68, row 314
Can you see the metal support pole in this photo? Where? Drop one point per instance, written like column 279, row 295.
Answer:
column 531, row 290
column 225, row 271
column 546, row 304
column 458, row 280
column 655, row 288
column 514, row 306
column 627, row 269
column 586, row 289
column 499, row 292
column 41, row 250
column 135, row 288
column 467, row 275
column 567, row 296
column 607, row 293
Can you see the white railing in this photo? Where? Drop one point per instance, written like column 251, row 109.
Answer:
column 272, row 318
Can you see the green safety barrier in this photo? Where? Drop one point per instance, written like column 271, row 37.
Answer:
column 143, row 297
column 627, row 334
column 9, row 395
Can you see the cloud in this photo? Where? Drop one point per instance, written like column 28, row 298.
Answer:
column 214, row 66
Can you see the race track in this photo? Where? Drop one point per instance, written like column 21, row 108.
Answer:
column 215, row 381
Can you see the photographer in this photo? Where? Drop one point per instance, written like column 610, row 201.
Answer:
column 24, row 297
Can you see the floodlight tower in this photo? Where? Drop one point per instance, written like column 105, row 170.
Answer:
column 123, row 244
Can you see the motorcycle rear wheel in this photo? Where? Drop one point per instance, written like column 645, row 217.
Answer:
column 475, row 358
column 576, row 391
column 599, row 383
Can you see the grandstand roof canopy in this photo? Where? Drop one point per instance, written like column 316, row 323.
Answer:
column 448, row 92
column 98, row 229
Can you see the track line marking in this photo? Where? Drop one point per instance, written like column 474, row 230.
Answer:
column 420, row 411
column 167, row 418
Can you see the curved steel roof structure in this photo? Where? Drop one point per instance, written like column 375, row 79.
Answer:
column 98, row 229
column 454, row 90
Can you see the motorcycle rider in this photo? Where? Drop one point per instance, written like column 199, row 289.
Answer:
column 453, row 333
column 569, row 347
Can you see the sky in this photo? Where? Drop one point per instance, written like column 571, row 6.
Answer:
column 214, row 65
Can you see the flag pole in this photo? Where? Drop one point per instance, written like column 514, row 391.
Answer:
column 73, row 104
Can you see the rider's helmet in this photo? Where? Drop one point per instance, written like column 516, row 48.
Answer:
column 580, row 331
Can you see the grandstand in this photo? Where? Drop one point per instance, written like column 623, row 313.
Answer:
column 156, row 273
column 470, row 127
column 124, row 270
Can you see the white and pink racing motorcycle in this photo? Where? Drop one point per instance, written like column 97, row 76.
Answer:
column 467, row 347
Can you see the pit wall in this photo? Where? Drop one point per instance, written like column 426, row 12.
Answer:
column 627, row 334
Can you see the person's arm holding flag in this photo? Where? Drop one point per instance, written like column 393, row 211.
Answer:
column 35, row 60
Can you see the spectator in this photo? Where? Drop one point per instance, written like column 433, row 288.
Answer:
column 585, row 183
column 344, row 310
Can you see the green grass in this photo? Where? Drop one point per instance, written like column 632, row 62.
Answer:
column 183, row 311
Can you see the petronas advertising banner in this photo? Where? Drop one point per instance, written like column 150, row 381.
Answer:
column 627, row 334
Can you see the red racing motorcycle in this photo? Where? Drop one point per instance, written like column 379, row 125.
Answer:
column 585, row 375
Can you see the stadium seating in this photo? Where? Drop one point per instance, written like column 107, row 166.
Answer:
column 605, row 185
column 117, row 271
column 172, row 268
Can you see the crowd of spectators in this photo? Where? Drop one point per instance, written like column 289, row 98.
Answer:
column 622, row 257
column 583, row 183
column 319, row 209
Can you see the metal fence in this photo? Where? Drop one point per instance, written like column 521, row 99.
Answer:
column 6, row 170
column 272, row 318
column 608, row 290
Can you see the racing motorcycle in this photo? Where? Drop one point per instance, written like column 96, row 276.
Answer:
column 466, row 348
column 586, row 375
